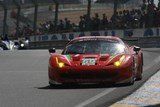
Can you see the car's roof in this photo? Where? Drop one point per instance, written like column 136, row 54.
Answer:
column 97, row 37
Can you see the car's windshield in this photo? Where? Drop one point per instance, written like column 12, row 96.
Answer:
column 95, row 47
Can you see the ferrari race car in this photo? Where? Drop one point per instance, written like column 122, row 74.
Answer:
column 96, row 59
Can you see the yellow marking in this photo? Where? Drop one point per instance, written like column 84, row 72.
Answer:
column 124, row 105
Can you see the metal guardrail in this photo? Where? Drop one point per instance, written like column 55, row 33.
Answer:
column 60, row 44
column 144, row 42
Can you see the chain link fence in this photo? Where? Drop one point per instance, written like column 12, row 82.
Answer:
column 46, row 13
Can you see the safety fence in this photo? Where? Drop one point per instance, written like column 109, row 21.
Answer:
column 144, row 42
column 60, row 44
column 131, row 33
column 146, row 38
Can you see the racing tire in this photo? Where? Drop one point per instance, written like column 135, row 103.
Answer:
column 3, row 46
column 139, row 74
column 133, row 78
column 140, row 70
column 52, row 85
column 131, row 82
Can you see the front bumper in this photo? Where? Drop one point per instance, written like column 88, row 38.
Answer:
column 90, row 74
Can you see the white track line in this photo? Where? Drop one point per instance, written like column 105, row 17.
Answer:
column 103, row 93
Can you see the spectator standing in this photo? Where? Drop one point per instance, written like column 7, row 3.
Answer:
column 158, row 15
column 144, row 7
column 159, row 5
column 151, row 13
column 97, row 22
column 120, row 20
column 124, row 18
column 104, row 22
column 144, row 18
column 81, row 24
column 67, row 25
column 51, row 27
column 114, row 20
column 61, row 26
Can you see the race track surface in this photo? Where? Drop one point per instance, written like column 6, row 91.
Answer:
column 24, row 82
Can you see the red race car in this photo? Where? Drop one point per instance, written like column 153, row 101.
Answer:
column 96, row 59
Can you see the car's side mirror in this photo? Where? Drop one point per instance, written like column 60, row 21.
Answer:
column 52, row 50
column 136, row 49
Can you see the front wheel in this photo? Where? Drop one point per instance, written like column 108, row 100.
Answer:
column 52, row 85
column 132, row 80
column 139, row 73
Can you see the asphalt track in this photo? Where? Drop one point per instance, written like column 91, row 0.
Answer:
column 24, row 82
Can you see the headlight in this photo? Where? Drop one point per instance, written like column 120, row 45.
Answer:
column 60, row 64
column 22, row 45
column 27, row 41
column 119, row 62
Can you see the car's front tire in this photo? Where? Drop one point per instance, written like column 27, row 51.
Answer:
column 133, row 78
column 53, row 83
column 139, row 73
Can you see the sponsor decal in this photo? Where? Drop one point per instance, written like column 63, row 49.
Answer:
column 64, row 37
column 45, row 38
column 128, row 33
column 124, row 33
column 157, row 30
column 94, row 33
column 148, row 32
column 113, row 33
column 68, row 57
column 106, row 33
column 71, row 36
column 81, row 34
column 54, row 37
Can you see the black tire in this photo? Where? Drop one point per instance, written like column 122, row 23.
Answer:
column 52, row 85
column 140, row 68
column 139, row 75
column 3, row 46
column 131, row 82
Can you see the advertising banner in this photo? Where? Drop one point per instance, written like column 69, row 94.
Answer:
column 148, row 32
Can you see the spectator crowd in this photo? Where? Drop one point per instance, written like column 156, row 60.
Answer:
column 145, row 17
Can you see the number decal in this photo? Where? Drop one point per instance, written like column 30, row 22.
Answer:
column 88, row 61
